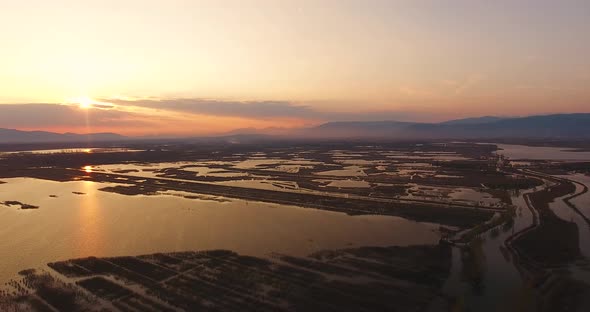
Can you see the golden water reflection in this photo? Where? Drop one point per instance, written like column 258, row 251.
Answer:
column 76, row 219
column 90, row 237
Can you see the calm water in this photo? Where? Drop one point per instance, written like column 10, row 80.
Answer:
column 349, row 171
column 583, row 201
column 541, row 153
column 76, row 150
column 580, row 269
column 488, row 280
column 106, row 224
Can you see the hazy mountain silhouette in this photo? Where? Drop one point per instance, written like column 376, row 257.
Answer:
column 546, row 126
column 473, row 121
column 17, row 136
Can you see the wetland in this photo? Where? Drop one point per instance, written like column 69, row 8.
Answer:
column 433, row 226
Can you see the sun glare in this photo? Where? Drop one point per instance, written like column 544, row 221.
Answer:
column 83, row 102
column 86, row 103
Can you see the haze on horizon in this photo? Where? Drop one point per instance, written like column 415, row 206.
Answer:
column 179, row 67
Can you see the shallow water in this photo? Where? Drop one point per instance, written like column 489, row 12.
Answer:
column 513, row 151
column 289, row 168
column 474, row 196
column 583, row 201
column 447, row 176
column 427, row 157
column 139, row 169
column 349, row 171
column 362, row 162
column 273, row 185
column 568, row 214
column 255, row 162
column 105, row 224
column 76, row 150
column 214, row 172
column 346, row 183
column 565, row 212
column 488, row 280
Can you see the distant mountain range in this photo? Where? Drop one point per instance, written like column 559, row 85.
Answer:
column 473, row 121
column 16, row 136
column 545, row 126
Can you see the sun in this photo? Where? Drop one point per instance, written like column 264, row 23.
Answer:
column 85, row 102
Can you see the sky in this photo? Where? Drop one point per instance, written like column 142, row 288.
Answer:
column 174, row 67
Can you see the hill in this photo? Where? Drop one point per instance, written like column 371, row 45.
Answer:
column 17, row 136
column 545, row 126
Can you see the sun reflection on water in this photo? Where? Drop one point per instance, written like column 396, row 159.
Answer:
column 90, row 236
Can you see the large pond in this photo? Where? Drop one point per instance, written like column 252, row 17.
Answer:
column 76, row 150
column 513, row 151
column 75, row 219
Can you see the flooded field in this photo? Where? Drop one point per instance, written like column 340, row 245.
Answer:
column 75, row 150
column 75, row 219
column 304, row 207
column 485, row 274
column 581, row 216
column 515, row 152
column 582, row 201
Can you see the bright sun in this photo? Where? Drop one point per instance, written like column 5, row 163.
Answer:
column 84, row 102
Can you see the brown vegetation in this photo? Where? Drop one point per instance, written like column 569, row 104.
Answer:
column 363, row 279
column 554, row 241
